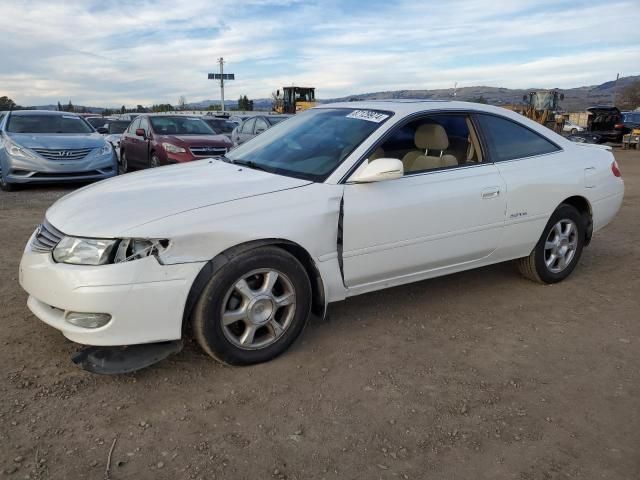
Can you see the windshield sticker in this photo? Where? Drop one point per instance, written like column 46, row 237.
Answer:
column 72, row 117
column 368, row 115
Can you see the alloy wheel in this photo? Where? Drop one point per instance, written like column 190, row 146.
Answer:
column 560, row 245
column 258, row 309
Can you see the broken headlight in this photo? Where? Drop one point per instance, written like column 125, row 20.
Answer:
column 93, row 251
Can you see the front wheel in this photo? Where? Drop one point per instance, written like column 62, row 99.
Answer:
column 559, row 248
column 155, row 161
column 124, row 165
column 574, row 131
column 254, row 307
column 6, row 186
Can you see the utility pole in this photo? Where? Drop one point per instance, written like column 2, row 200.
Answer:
column 222, row 77
column 615, row 90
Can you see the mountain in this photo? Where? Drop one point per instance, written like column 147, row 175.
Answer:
column 575, row 99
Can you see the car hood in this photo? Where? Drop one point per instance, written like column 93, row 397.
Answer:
column 191, row 140
column 110, row 208
column 57, row 140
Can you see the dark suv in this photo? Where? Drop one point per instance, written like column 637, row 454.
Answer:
column 155, row 140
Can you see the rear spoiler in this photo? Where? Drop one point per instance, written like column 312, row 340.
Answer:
column 593, row 145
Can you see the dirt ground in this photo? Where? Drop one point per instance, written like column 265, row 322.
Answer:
column 478, row 375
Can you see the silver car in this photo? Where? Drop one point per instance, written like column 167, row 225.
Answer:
column 39, row 146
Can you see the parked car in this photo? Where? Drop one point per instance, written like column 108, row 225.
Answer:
column 98, row 122
column 630, row 121
column 115, row 129
column 338, row 201
column 44, row 146
column 220, row 125
column 253, row 126
column 155, row 140
column 572, row 128
column 605, row 125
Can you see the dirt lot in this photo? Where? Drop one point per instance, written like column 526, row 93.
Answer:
column 479, row 375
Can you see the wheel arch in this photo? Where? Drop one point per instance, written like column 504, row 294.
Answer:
column 583, row 206
column 318, row 305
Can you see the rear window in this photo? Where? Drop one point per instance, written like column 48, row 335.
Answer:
column 47, row 124
column 180, row 126
column 509, row 140
column 118, row 127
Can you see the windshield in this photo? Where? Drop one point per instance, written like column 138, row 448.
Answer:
column 47, row 124
column 311, row 144
column 221, row 126
column 118, row 127
column 180, row 126
column 632, row 117
column 97, row 122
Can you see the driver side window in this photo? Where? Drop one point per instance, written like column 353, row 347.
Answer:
column 433, row 142
column 247, row 127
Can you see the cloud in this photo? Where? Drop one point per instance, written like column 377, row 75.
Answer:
column 142, row 51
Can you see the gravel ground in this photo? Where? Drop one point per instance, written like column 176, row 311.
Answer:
column 478, row 375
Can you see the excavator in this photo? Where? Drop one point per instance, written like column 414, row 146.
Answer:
column 295, row 99
column 541, row 107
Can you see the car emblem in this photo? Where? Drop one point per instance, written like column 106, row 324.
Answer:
column 64, row 153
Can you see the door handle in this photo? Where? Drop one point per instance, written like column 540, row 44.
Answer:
column 490, row 193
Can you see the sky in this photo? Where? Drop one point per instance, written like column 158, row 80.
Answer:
column 115, row 52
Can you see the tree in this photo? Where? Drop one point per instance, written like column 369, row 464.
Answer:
column 140, row 109
column 123, row 109
column 629, row 98
column 213, row 108
column 6, row 103
column 70, row 107
column 479, row 99
column 182, row 102
column 60, row 109
column 276, row 100
column 107, row 112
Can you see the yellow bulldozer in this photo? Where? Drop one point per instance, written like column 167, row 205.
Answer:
column 542, row 106
column 295, row 99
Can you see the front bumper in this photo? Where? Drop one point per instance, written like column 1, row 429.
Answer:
column 144, row 298
column 46, row 171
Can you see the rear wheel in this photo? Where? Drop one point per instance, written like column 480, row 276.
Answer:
column 254, row 307
column 574, row 131
column 559, row 248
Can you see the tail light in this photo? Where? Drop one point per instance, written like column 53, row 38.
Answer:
column 618, row 126
column 615, row 169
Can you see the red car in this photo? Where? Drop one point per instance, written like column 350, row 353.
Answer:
column 155, row 140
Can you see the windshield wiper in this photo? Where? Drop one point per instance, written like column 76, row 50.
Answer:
column 250, row 164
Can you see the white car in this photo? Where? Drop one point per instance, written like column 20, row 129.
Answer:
column 572, row 128
column 340, row 200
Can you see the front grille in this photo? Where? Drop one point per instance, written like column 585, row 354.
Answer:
column 208, row 151
column 46, row 238
column 90, row 173
column 62, row 154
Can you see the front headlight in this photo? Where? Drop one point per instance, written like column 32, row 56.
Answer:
column 171, row 148
column 84, row 251
column 17, row 151
column 106, row 149
column 92, row 251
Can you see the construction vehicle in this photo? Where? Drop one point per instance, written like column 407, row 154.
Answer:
column 295, row 99
column 542, row 106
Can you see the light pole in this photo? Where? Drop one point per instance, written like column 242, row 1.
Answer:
column 222, row 77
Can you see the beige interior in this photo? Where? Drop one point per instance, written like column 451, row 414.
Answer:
column 429, row 137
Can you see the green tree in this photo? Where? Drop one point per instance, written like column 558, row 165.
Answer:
column 60, row 109
column 6, row 103
column 123, row 109
column 70, row 107
column 106, row 112
column 479, row 99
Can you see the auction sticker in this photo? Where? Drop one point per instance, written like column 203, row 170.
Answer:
column 368, row 115
column 71, row 117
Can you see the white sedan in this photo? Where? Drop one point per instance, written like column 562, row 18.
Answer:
column 337, row 201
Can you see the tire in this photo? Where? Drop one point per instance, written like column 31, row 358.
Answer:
column 262, row 321
column 545, row 263
column 154, row 161
column 7, row 187
column 124, row 164
column 574, row 131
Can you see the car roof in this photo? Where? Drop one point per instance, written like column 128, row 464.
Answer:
column 42, row 112
column 409, row 106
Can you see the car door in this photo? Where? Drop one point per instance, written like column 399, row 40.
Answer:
column 130, row 141
column 537, row 175
column 447, row 210
column 142, row 144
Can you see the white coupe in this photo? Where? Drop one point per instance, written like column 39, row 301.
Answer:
column 340, row 200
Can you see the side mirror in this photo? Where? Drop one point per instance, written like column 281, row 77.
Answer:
column 102, row 130
column 140, row 132
column 379, row 170
column 259, row 131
